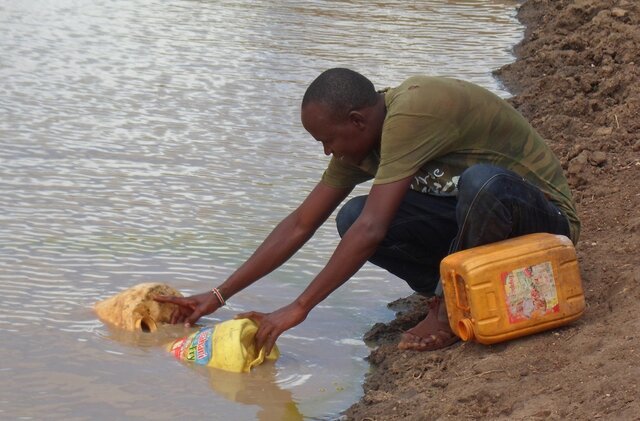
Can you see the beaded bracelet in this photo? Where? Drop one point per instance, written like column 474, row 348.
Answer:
column 216, row 292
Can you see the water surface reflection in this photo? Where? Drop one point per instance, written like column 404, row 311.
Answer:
column 160, row 141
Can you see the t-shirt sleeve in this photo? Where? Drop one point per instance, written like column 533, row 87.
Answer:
column 410, row 141
column 341, row 175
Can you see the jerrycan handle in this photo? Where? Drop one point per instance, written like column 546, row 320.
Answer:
column 462, row 305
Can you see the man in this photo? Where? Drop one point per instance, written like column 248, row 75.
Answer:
column 453, row 167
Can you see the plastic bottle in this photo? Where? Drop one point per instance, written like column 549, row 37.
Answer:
column 228, row 346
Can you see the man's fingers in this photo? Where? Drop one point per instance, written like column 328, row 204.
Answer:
column 183, row 302
column 266, row 336
column 179, row 301
column 193, row 318
column 261, row 338
column 174, row 316
column 268, row 346
column 166, row 299
column 253, row 315
column 178, row 315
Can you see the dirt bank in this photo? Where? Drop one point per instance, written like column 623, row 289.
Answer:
column 577, row 78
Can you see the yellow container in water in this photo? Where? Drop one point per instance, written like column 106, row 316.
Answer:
column 227, row 346
column 512, row 288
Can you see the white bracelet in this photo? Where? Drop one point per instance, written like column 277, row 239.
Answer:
column 216, row 292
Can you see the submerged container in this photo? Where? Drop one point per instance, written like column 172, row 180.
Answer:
column 135, row 309
column 227, row 346
column 512, row 288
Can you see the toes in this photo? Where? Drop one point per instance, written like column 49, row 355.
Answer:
column 405, row 339
column 408, row 341
column 413, row 342
column 430, row 342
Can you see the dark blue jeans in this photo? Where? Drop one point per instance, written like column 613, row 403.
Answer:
column 493, row 204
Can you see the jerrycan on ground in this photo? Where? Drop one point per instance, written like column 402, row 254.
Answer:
column 512, row 288
column 227, row 346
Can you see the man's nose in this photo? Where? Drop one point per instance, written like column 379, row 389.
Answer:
column 327, row 150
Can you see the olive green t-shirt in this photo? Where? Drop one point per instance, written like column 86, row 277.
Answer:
column 437, row 127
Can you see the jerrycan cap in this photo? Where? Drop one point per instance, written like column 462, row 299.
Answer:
column 465, row 329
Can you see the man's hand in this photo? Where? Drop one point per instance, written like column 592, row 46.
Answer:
column 272, row 325
column 190, row 309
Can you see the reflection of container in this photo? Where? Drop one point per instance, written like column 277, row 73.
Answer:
column 228, row 346
column 512, row 288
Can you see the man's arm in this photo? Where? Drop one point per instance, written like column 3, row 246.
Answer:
column 357, row 245
column 285, row 239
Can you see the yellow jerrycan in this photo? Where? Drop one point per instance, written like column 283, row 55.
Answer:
column 228, row 346
column 134, row 309
column 512, row 288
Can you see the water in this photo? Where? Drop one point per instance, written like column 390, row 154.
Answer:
column 160, row 141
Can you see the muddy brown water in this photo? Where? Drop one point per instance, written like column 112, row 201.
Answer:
column 160, row 141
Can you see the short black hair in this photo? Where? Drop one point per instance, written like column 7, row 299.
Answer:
column 342, row 90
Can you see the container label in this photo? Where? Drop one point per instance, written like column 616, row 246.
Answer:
column 196, row 347
column 530, row 292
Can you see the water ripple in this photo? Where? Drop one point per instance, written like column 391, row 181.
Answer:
column 160, row 141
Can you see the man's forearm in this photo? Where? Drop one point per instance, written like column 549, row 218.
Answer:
column 287, row 238
column 358, row 244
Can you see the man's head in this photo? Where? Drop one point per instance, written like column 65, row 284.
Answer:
column 342, row 109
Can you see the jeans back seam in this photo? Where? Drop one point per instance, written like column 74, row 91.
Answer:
column 461, row 230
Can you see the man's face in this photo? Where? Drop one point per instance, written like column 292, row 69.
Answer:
column 349, row 139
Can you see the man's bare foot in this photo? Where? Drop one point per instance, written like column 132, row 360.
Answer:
column 433, row 332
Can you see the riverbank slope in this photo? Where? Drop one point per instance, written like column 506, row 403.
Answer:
column 577, row 79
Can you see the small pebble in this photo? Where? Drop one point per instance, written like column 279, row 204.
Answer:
column 617, row 12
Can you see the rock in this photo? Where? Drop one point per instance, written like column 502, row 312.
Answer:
column 603, row 131
column 577, row 164
column 377, row 396
column 617, row 12
column 598, row 158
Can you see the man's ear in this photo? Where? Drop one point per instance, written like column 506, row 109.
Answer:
column 358, row 119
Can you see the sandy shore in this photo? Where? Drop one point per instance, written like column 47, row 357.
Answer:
column 577, row 78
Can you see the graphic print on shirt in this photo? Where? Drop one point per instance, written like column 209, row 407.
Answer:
column 437, row 181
